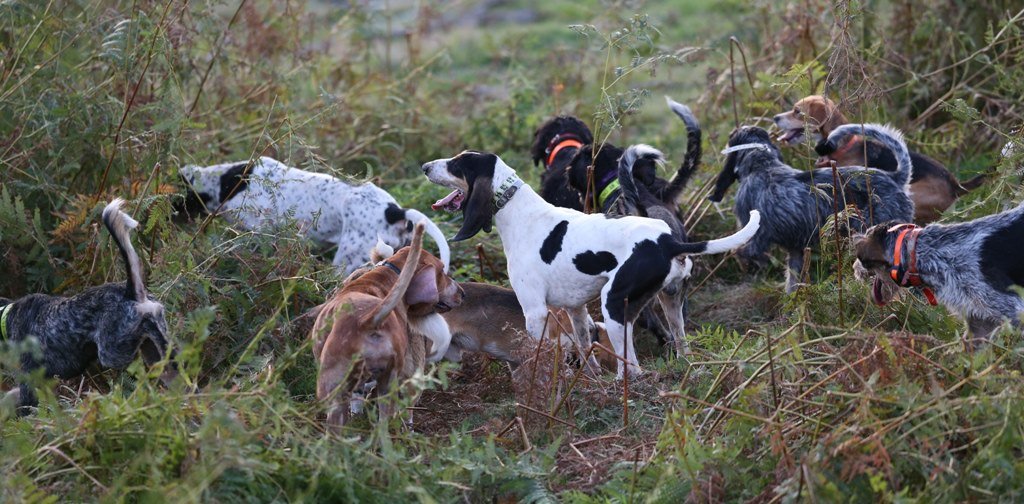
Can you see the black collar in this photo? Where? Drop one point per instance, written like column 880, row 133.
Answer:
column 392, row 267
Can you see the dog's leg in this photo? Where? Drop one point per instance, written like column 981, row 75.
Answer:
column 672, row 308
column 386, row 402
column 794, row 270
column 25, row 399
column 351, row 253
column 581, row 328
column 979, row 330
column 620, row 337
column 330, row 378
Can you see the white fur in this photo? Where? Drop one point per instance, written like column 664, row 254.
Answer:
column 328, row 210
column 434, row 328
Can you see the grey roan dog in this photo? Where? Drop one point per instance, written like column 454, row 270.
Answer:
column 973, row 267
column 795, row 204
column 109, row 323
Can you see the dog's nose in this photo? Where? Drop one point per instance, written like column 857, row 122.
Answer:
column 425, row 168
column 777, row 118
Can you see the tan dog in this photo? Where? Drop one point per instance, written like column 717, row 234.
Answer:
column 362, row 334
column 490, row 321
column 932, row 187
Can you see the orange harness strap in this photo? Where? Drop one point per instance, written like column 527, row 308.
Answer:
column 568, row 142
column 909, row 276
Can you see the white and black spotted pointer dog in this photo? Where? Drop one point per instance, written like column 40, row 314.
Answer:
column 266, row 194
column 110, row 323
column 796, row 203
column 564, row 258
column 972, row 267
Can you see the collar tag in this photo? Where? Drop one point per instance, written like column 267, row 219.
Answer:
column 506, row 190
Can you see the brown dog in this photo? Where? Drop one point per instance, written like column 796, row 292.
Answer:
column 362, row 334
column 932, row 187
column 490, row 321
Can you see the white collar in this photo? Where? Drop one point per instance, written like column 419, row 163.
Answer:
column 746, row 146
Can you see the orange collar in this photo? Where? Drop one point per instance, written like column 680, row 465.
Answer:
column 847, row 146
column 560, row 142
column 908, row 277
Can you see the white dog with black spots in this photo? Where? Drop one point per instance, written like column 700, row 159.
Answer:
column 564, row 258
column 267, row 194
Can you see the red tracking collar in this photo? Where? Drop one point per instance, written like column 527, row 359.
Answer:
column 908, row 277
column 823, row 161
column 558, row 143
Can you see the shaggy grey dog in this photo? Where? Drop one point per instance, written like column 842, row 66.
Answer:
column 795, row 204
column 973, row 267
column 109, row 323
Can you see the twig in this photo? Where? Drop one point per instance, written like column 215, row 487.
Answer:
column 545, row 415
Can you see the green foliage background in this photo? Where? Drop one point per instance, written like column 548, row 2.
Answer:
column 815, row 397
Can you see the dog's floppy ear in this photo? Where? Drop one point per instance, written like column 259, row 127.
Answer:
column 478, row 210
column 423, row 289
column 477, row 169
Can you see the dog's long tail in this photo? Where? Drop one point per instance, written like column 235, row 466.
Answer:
column 417, row 217
column 634, row 154
column 120, row 224
column 397, row 292
column 720, row 245
column 693, row 153
column 890, row 137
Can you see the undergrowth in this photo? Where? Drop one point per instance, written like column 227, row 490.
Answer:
column 818, row 396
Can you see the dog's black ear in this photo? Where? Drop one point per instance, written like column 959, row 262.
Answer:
column 576, row 170
column 825, row 147
column 234, row 181
column 725, row 178
column 477, row 169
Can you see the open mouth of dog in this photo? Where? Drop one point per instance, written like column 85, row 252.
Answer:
column 450, row 203
column 792, row 136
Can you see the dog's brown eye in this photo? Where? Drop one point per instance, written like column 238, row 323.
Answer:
column 375, row 336
column 796, row 112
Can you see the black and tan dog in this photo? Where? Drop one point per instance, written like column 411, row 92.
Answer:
column 109, row 323
column 932, row 187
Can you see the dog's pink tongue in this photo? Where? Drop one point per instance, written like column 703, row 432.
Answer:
column 789, row 135
column 452, row 202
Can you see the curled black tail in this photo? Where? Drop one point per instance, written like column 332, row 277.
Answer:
column 691, row 161
column 632, row 155
column 120, row 224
